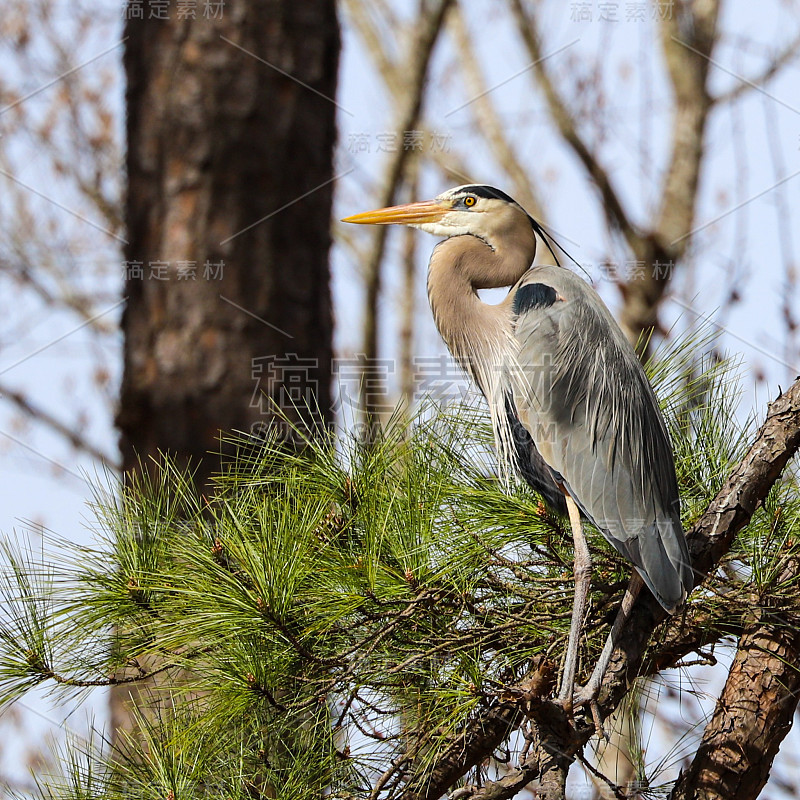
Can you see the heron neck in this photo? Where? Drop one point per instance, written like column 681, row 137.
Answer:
column 473, row 331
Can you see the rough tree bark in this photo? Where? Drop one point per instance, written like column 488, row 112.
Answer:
column 754, row 712
column 231, row 127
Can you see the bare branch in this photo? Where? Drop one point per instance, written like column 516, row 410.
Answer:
column 612, row 205
column 687, row 38
column 488, row 121
column 427, row 34
column 362, row 16
column 786, row 56
column 22, row 403
column 85, row 305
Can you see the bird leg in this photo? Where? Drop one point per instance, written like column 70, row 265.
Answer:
column 588, row 694
column 583, row 578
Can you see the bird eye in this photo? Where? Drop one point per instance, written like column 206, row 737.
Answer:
column 469, row 201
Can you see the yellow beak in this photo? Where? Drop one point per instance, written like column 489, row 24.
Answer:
column 410, row 214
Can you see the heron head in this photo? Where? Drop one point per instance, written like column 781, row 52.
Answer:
column 472, row 209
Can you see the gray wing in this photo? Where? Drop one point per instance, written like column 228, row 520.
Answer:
column 530, row 464
column 582, row 394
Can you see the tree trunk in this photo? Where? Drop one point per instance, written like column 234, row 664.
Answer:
column 755, row 711
column 231, row 128
column 230, row 184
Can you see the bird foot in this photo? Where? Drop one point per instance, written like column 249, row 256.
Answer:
column 585, row 696
column 579, row 697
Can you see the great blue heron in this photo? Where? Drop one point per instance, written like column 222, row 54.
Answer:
column 571, row 405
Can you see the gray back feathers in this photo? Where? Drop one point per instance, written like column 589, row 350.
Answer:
column 595, row 419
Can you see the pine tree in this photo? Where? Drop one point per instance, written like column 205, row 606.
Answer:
column 368, row 621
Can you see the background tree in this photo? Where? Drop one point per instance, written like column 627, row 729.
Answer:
column 231, row 126
column 230, row 129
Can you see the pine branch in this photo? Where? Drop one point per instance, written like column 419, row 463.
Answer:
column 481, row 737
column 392, row 582
column 80, row 683
column 774, row 445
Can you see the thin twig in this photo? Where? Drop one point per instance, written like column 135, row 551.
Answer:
column 46, row 418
